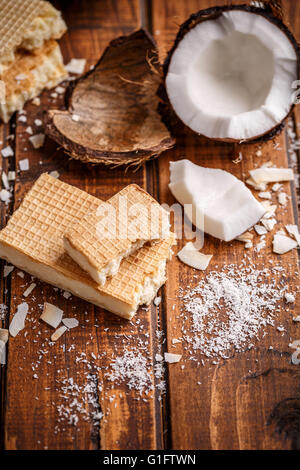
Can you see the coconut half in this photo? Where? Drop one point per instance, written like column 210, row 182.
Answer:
column 112, row 113
column 215, row 201
column 230, row 72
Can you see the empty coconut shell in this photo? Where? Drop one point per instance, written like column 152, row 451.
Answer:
column 111, row 115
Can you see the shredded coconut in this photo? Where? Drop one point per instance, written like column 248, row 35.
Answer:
column 229, row 309
column 133, row 368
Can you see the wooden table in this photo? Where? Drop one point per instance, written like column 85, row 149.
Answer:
column 231, row 406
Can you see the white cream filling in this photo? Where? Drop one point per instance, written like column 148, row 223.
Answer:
column 47, row 75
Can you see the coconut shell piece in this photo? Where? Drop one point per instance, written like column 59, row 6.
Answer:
column 111, row 115
column 272, row 11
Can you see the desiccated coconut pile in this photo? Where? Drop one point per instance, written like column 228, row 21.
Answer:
column 250, row 299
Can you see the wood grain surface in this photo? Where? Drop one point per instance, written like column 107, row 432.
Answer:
column 223, row 406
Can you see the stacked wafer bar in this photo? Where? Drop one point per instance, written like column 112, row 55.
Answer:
column 30, row 57
column 100, row 241
column 33, row 240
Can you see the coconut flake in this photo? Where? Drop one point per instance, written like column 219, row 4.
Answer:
column 76, row 66
column 18, row 322
column 29, row 289
column 22, row 119
column 172, row 358
column 58, row 333
column 192, row 257
column 60, row 90
column 282, row 244
column 11, row 175
column 5, row 195
column 265, row 195
column 269, row 223
column 37, row 140
column 157, row 301
column 5, row 180
column 294, row 231
column 36, row 101
column 246, row 237
column 54, row 174
column 29, row 130
column 24, row 164
column 51, row 315
column 257, row 186
column 282, row 199
column 271, row 175
column 276, row 186
column 70, row 322
column 7, row 152
column 260, row 230
column 290, row 298
column 7, row 270
column 3, row 341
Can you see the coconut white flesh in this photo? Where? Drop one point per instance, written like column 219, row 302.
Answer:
column 222, row 205
column 192, row 257
column 231, row 77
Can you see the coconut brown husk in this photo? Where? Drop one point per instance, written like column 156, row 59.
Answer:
column 116, row 103
column 273, row 12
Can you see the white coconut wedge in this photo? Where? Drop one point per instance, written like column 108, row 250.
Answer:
column 230, row 72
column 192, row 257
column 215, row 201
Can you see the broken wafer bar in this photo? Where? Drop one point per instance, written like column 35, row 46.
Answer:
column 29, row 74
column 118, row 228
column 33, row 241
column 26, row 25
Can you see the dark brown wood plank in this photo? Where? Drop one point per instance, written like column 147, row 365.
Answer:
column 32, row 417
column 224, row 406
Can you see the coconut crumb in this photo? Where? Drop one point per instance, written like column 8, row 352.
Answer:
column 24, row 164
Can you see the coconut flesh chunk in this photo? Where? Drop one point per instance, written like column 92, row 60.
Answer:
column 216, row 202
column 230, row 77
column 192, row 257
